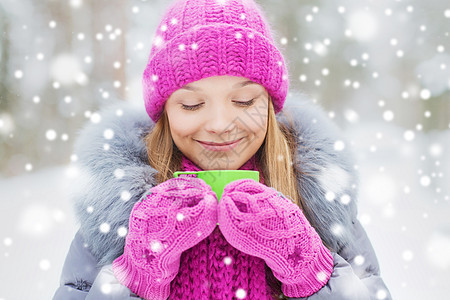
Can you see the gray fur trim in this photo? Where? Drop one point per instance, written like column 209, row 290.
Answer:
column 328, row 183
column 114, row 177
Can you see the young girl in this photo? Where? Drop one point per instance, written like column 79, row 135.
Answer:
column 215, row 88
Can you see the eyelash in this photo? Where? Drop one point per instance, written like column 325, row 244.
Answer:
column 194, row 107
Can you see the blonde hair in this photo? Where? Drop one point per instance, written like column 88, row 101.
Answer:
column 277, row 157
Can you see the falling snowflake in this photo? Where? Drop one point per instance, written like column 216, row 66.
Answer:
column 409, row 135
column 381, row 294
column 106, row 288
column 425, row 181
column 330, row 196
column 351, row 116
column 407, row 255
column 241, row 293
column 64, row 69
column 337, row 229
column 425, row 94
column 95, row 118
column 104, row 228
column 227, row 260
column 339, row 145
column 158, row 41
column 388, row 115
column 108, row 134
column 44, row 264
column 180, row 217
column 7, row 241
column 363, row 24
column 50, row 134
column 18, row 74
column 321, row 276
column 359, row 260
column 345, row 199
column 156, row 246
column 119, row 173
column 76, row 3
column 125, row 195
column 436, row 150
column 122, row 231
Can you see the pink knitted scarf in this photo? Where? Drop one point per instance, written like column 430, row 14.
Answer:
column 213, row 269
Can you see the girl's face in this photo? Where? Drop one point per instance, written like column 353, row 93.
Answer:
column 207, row 114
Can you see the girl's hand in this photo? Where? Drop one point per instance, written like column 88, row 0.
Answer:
column 262, row 222
column 171, row 218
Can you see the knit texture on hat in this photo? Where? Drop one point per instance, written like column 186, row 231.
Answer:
column 203, row 38
column 213, row 269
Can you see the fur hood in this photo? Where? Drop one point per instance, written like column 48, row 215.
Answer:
column 114, row 174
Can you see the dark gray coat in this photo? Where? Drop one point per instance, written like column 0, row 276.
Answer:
column 114, row 173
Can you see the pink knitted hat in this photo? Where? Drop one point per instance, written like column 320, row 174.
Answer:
column 203, row 38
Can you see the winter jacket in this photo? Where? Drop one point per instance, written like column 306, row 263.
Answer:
column 114, row 173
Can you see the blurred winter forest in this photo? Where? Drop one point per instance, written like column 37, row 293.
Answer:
column 362, row 60
column 379, row 68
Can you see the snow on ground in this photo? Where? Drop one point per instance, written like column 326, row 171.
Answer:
column 37, row 226
column 403, row 205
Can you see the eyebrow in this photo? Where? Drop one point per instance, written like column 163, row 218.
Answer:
column 237, row 85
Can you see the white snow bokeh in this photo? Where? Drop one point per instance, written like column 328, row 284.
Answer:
column 438, row 248
column 363, row 24
column 241, row 293
column 381, row 71
column 404, row 206
column 406, row 221
column 66, row 69
column 37, row 228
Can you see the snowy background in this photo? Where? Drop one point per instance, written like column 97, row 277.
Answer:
column 381, row 70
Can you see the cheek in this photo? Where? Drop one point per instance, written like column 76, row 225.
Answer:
column 255, row 121
column 182, row 131
column 180, row 125
column 181, row 128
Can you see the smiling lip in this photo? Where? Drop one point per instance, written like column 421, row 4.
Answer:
column 220, row 146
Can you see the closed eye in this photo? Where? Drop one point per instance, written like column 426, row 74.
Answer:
column 247, row 103
column 195, row 107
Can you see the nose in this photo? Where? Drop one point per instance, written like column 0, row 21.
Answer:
column 220, row 121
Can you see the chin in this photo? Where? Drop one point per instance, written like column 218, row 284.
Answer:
column 218, row 164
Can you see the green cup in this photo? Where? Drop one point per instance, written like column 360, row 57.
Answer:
column 218, row 179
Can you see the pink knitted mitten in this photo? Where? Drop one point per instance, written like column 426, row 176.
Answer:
column 171, row 218
column 260, row 221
